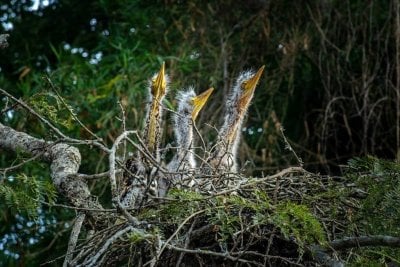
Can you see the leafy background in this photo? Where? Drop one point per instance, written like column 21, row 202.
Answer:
column 332, row 81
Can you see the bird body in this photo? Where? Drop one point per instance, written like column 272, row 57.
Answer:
column 152, row 131
column 140, row 170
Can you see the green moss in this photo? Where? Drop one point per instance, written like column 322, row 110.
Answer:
column 297, row 221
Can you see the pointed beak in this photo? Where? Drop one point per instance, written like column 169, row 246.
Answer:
column 249, row 87
column 199, row 102
column 159, row 84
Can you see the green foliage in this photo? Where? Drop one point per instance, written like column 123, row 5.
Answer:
column 297, row 221
column 380, row 179
column 375, row 257
column 51, row 106
column 379, row 212
column 230, row 212
column 25, row 194
column 374, row 166
column 185, row 203
column 223, row 212
column 293, row 220
column 137, row 237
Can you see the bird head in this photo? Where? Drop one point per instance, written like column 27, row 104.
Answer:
column 247, row 83
column 237, row 104
column 190, row 104
column 159, row 83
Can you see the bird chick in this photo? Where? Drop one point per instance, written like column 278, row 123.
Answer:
column 224, row 156
column 139, row 177
column 152, row 131
column 189, row 106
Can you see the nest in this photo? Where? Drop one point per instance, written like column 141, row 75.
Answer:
column 268, row 221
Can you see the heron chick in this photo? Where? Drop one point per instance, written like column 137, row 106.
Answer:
column 189, row 106
column 225, row 152
column 140, row 172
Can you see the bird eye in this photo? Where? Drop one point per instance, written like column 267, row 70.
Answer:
column 244, row 84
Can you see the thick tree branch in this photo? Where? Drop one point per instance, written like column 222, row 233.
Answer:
column 64, row 164
column 364, row 241
column 323, row 256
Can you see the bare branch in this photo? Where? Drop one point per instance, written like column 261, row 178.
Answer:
column 74, row 238
column 112, row 162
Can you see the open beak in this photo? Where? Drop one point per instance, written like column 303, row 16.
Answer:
column 249, row 87
column 159, row 83
column 199, row 102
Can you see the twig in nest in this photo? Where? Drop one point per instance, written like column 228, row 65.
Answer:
column 74, row 238
column 290, row 148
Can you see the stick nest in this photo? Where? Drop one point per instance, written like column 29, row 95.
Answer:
column 271, row 221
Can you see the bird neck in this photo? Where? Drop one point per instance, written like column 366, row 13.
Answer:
column 152, row 131
column 228, row 139
column 184, row 137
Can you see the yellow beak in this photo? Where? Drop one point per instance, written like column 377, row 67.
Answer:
column 249, row 87
column 159, row 84
column 199, row 102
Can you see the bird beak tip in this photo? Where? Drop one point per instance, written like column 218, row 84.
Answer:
column 160, row 83
column 251, row 83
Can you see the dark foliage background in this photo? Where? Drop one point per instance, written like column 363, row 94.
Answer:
column 332, row 79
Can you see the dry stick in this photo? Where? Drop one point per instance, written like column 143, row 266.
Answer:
column 212, row 253
column 289, row 147
column 177, row 231
column 73, row 238
column 77, row 208
column 112, row 161
column 93, row 260
column 123, row 126
column 187, row 242
column 287, row 260
column 259, row 180
column 322, row 32
column 113, row 180
column 203, row 143
column 142, row 148
column 79, row 175
column 97, row 175
column 22, row 103
column 397, row 88
column 7, row 108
